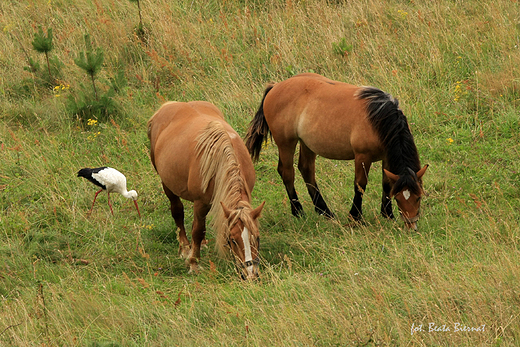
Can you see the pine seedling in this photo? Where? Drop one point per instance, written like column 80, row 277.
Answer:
column 90, row 61
column 43, row 44
column 140, row 31
column 139, row 9
column 342, row 47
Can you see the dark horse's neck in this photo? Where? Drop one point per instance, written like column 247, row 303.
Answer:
column 393, row 130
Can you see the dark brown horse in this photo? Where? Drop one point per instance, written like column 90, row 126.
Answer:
column 200, row 158
column 340, row 121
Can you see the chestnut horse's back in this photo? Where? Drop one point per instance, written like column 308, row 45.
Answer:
column 201, row 158
column 179, row 116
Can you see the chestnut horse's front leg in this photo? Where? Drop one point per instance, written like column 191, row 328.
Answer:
column 198, row 234
column 362, row 164
column 177, row 210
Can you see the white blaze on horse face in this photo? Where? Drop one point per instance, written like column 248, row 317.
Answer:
column 406, row 194
column 247, row 249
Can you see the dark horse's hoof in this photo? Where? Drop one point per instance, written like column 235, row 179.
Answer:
column 297, row 209
column 298, row 213
column 355, row 214
column 327, row 213
column 355, row 221
column 387, row 216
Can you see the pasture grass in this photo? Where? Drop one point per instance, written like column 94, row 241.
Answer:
column 67, row 279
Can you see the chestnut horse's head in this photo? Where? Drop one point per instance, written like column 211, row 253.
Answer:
column 407, row 190
column 244, row 238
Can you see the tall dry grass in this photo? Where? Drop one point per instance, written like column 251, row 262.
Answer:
column 69, row 280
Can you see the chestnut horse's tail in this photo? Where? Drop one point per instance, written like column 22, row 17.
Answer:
column 258, row 130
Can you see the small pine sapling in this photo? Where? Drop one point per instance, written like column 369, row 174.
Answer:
column 140, row 31
column 43, row 43
column 139, row 9
column 90, row 61
column 342, row 47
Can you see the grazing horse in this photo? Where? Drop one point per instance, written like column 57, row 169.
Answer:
column 340, row 121
column 200, row 158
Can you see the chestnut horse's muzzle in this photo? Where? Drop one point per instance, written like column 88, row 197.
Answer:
column 244, row 273
column 241, row 266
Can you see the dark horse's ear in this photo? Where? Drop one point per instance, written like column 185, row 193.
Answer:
column 227, row 211
column 393, row 177
column 256, row 212
column 421, row 172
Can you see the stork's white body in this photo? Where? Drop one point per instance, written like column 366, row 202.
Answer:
column 114, row 181
column 111, row 180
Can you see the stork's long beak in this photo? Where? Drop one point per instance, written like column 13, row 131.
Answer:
column 137, row 207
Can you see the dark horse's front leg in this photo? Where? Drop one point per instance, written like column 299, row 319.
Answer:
column 360, row 184
column 386, row 202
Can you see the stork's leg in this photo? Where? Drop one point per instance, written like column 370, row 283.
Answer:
column 109, row 204
column 93, row 202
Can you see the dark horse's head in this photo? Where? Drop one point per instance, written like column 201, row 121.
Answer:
column 407, row 190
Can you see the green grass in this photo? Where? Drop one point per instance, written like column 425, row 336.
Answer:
column 67, row 279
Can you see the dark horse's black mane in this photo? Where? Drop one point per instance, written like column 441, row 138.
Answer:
column 393, row 130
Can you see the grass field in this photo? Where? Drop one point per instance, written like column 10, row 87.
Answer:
column 67, row 279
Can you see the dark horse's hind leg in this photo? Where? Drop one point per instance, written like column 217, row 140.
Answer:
column 307, row 167
column 360, row 184
column 386, row 202
column 286, row 171
column 177, row 210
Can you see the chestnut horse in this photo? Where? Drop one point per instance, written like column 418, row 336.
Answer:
column 200, row 158
column 340, row 121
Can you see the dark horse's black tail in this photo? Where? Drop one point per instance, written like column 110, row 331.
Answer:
column 258, row 130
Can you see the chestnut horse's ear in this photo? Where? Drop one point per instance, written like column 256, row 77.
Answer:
column 256, row 212
column 393, row 177
column 227, row 211
column 421, row 172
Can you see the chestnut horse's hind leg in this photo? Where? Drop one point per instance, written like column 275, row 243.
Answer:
column 307, row 167
column 386, row 202
column 177, row 210
column 286, row 171
column 360, row 184
column 198, row 234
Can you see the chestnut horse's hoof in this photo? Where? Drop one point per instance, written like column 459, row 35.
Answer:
column 194, row 266
column 184, row 251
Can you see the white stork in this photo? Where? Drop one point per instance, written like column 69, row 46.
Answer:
column 110, row 180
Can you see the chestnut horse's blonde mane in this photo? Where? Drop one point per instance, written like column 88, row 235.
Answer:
column 218, row 161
